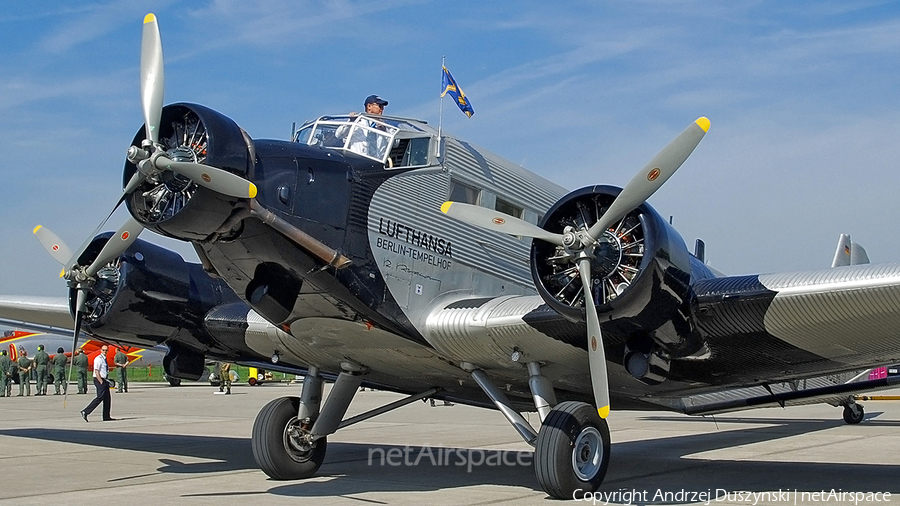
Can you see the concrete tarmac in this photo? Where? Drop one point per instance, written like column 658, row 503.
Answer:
column 187, row 445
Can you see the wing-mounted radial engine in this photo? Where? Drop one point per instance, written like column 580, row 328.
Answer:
column 176, row 202
column 640, row 275
column 148, row 296
column 590, row 236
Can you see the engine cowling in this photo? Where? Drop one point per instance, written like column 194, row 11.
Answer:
column 641, row 274
column 174, row 205
column 150, row 296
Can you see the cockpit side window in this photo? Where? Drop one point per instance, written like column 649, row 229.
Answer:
column 410, row 152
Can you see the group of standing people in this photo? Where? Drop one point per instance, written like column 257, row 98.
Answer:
column 43, row 367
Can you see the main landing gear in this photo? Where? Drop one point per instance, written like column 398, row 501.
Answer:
column 571, row 450
column 289, row 438
column 572, row 447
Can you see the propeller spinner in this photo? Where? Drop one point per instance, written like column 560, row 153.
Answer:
column 580, row 243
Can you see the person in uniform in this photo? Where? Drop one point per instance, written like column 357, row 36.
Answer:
column 80, row 363
column 41, row 365
column 24, row 365
column 5, row 374
column 59, row 362
column 121, row 361
column 225, row 378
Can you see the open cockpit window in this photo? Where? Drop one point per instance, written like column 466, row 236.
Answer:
column 395, row 142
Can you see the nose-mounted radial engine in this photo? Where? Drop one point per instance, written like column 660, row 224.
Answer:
column 170, row 172
column 617, row 249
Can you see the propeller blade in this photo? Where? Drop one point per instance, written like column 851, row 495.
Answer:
column 499, row 222
column 652, row 176
column 136, row 179
column 116, row 245
column 53, row 244
column 152, row 78
column 596, row 356
column 80, row 299
column 215, row 179
column 74, row 258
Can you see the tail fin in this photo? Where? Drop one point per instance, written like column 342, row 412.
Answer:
column 849, row 253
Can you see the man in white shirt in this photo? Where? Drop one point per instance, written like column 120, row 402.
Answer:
column 101, row 372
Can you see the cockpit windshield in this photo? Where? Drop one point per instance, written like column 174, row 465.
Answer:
column 392, row 141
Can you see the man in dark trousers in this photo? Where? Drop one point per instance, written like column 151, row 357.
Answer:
column 101, row 373
column 59, row 362
column 80, row 363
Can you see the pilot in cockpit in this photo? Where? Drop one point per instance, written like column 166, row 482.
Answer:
column 375, row 104
column 360, row 142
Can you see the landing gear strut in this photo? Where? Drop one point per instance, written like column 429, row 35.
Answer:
column 572, row 450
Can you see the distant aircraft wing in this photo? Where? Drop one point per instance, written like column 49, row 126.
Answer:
column 43, row 314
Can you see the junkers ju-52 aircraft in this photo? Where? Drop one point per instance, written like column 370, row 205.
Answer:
column 371, row 249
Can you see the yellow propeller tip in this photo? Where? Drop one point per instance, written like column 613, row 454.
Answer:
column 36, row 229
column 603, row 412
column 703, row 123
column 252, row 190
column 62, row 273
column 149, row 18
column 445, row 207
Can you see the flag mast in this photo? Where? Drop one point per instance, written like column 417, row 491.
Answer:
column 441, row 113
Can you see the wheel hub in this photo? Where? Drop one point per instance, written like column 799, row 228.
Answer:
column 297, row 442
column 587, row 454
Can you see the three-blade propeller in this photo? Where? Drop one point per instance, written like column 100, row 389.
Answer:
column 580, row 244
column 151, row 160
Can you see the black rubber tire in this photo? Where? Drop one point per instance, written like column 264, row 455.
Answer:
column 553, row 452
column 267, row 443
column 173, row 382
column 852, row 417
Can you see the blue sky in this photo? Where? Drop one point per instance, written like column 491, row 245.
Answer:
column 804, row 99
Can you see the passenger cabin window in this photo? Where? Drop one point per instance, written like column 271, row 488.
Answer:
column 464, row 193
column 508, row 208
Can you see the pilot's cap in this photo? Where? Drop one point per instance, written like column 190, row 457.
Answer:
column 60, row 350
column 375, row 99
column 40, row 347
column 3, row 352
column 22, row 349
